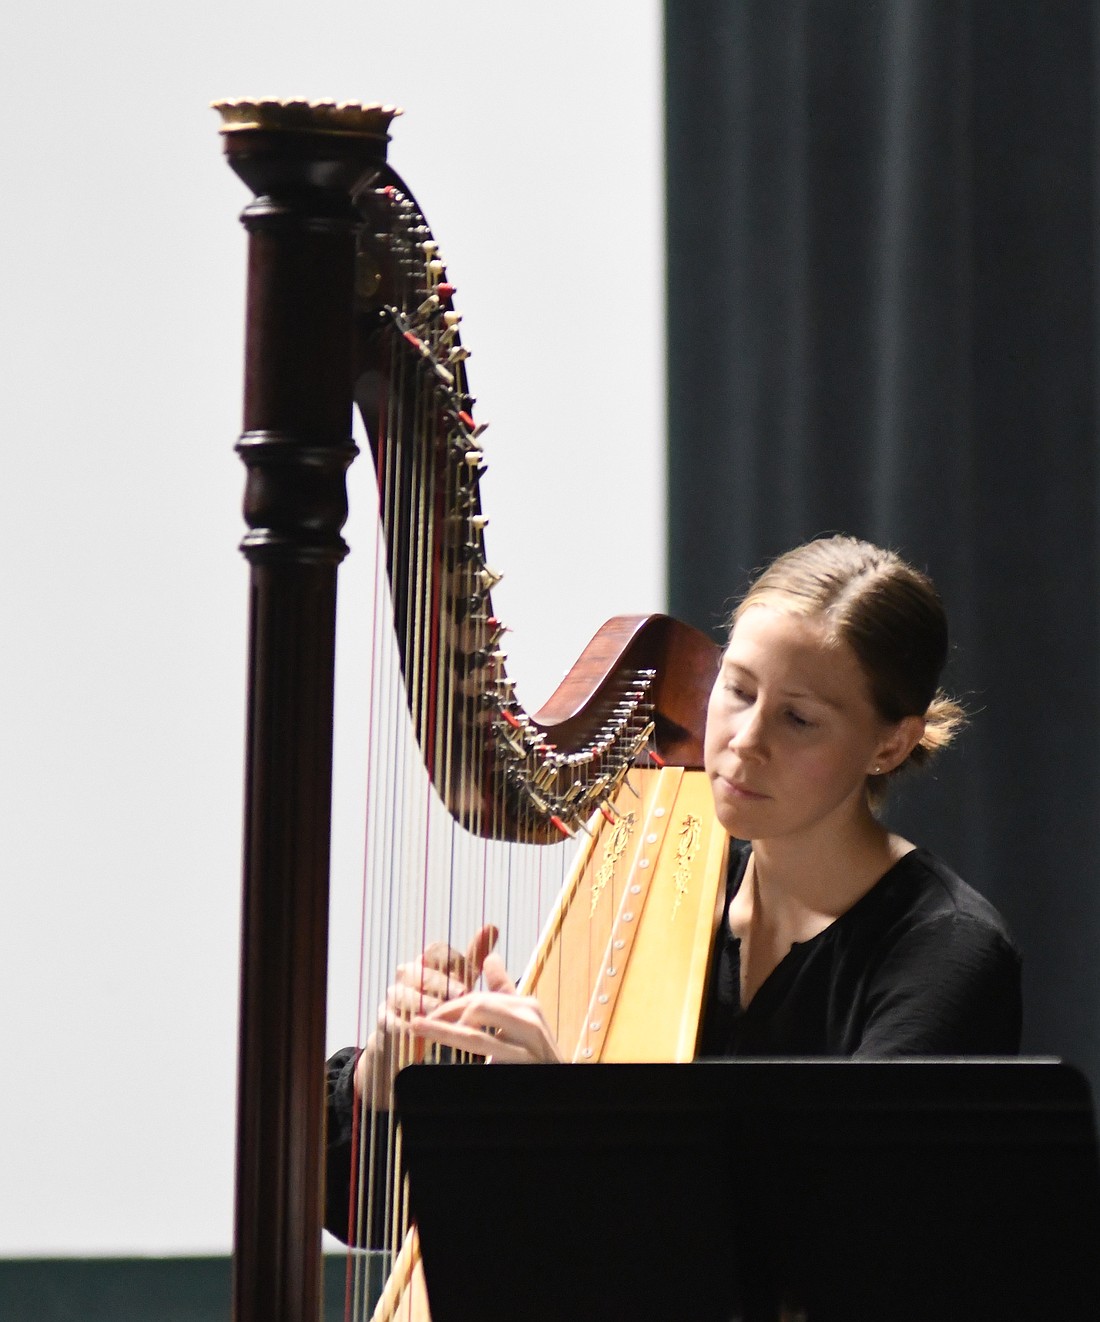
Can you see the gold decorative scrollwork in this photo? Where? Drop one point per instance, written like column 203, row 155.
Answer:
column 616, row 848
column 686, row 849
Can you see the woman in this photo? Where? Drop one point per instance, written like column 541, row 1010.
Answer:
column 840, row 937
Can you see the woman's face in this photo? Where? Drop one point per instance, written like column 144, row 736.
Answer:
column 792, row 733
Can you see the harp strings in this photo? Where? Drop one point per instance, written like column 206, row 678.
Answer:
column 456, row 767
column 427, row 877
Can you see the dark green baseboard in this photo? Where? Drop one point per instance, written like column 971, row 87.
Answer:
column 140, row 1289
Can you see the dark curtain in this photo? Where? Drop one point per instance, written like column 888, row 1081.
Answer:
column 882, row 320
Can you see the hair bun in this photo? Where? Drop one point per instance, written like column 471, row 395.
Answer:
column 942, row 722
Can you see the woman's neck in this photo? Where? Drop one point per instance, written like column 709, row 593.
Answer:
column 799, row 887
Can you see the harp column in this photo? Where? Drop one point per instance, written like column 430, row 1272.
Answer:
column 303, row 163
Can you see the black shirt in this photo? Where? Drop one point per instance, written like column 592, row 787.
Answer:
column 919, row 965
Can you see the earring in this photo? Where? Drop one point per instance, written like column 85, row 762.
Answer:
column 876, row 770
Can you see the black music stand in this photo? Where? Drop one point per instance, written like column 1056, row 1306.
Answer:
column 824, row 1190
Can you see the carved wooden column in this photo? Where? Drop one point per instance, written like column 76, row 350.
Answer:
column 302, row 162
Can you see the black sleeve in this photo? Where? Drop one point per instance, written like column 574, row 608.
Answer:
column 949, row 987
column 347, row 1159
column 339, row 1123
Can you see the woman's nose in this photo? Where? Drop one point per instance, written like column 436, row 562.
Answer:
column 748, row 734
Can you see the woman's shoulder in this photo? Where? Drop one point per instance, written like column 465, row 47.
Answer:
column 924, row 889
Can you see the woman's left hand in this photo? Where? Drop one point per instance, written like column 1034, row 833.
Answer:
column 496, row 1023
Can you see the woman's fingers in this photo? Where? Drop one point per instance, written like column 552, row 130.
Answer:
column 496, row 975
column 402, row 1003
column 422, row 980
column 476, row 1042
column 478, row 950
column 498, row 1024
column 428, row 982
column 464, row 968
column 437, row 977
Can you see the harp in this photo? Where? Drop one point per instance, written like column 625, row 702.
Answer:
column 347, row 304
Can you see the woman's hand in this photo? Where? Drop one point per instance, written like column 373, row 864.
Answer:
column 438, row 974
column 497, row 1023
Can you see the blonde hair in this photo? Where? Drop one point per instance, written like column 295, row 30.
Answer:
column 888, row 613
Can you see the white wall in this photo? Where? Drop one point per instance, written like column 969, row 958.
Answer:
column 532, row 140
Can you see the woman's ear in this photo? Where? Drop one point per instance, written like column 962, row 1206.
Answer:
column 899, row 742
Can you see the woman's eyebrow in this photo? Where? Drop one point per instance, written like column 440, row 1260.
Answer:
column 811, row 695
column 728, row 664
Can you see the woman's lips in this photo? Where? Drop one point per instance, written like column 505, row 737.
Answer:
column 739, row 791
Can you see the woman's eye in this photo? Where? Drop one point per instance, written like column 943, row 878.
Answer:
column 800, row 721
column 736, row 691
